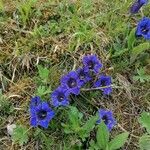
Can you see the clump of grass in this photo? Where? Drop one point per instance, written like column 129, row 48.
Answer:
column 5, row 105
column 25, row 10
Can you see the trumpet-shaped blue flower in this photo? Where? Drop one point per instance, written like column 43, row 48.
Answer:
column 92, row 63
column 102, row 82
column 143, row 28
column 83, row 75
column 71, row 82
column 60, row 97
column 137, row 5
column 107, row 117
column 41, row 115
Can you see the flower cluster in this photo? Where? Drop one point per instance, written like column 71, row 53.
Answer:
column 71, row 83
column 75, row 80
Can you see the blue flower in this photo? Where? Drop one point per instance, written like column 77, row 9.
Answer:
column 83, row 75
column 137, row 5
column 41, row 115
column 35, row 101
column 71, row 82
column 107, row 117
column 92, row 63
column 143, row 28
column 104, row 81
column 60, row 97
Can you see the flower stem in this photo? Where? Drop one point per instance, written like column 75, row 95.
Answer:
column 99, row 88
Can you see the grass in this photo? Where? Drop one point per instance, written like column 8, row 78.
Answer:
column 55, row 35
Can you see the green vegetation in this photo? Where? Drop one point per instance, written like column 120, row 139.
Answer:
column 41, row 40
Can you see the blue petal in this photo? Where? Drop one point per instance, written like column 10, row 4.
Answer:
column 135, row 8
column 65, row 103
column 76, row 91
column 102, row 112
column 73, row 74
column 137, row 5
column 147, row 36
column 142, row 2
column 107, row 91
column 64, row 79
column 85, row 60
column 55, row 103
column 50, row 115
column 33, row 121
column 35, row 101
column 33, row 111
column 97, row 83
column 45, row 106
column 43, row 123
column 39, row 107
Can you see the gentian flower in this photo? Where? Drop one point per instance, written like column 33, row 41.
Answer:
column 60, row 97
column 107, row 117
column 83, row 75
column 41, row 115
column 143, row 28
column 71, row 82
column 104, row 81
column 137, row 5
column 92, row 63
column 35, row 101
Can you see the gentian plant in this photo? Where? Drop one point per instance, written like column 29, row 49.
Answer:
column 107, row 118
column 92, row 63
column 60, row 97
column 72, row 84
column 41, row 114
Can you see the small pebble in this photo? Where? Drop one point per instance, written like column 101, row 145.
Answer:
column 10, row 128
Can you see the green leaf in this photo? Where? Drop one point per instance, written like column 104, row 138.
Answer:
column 119, row 53
column 118, row 141
column 144, row 120
column 142, row 76
column 102, row 136
column 47, row 142
column 90, row 123
column 74, row 119
column 43, row 73
column 1, row 6
column 131, row 39
column 20, row 135
column 138, row 50
column 67, row 129
column 87, row 127
column 93, row 146
column 144, row 142
column 42, row 90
